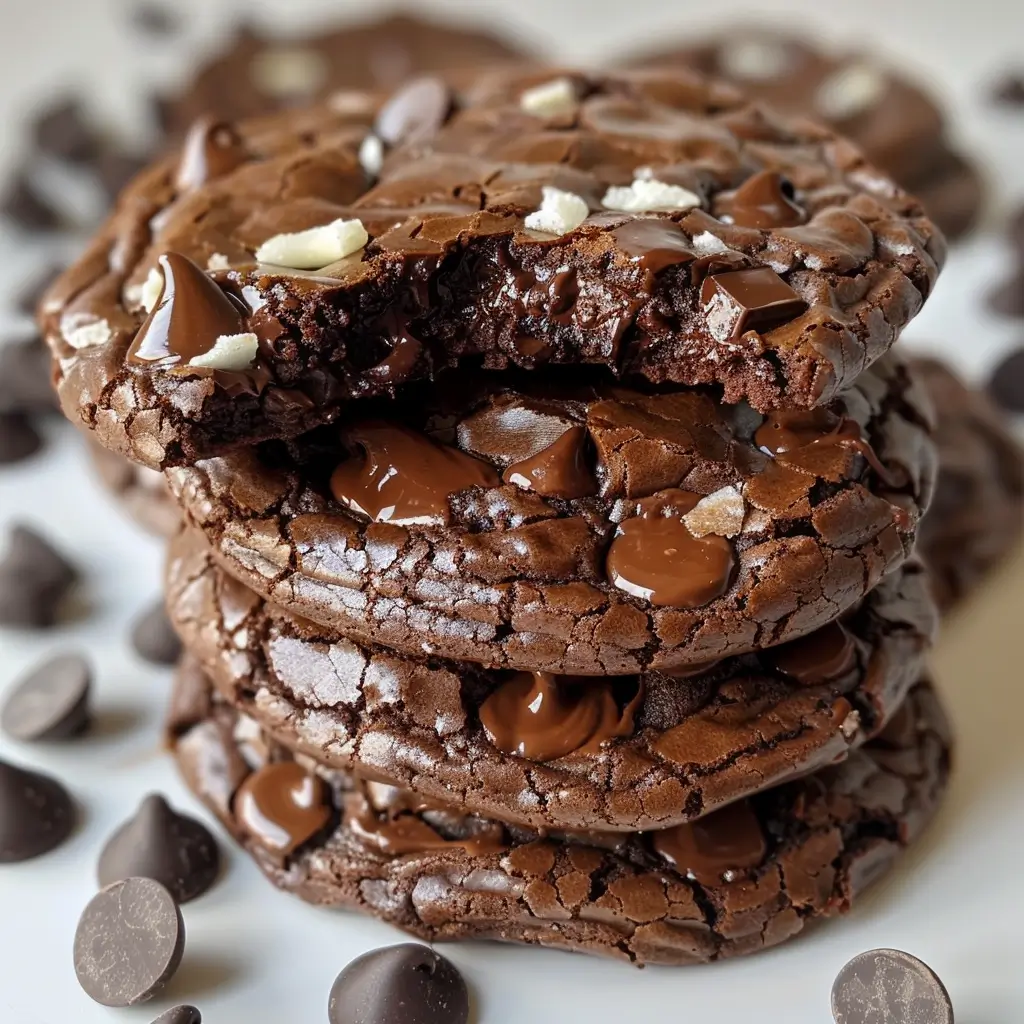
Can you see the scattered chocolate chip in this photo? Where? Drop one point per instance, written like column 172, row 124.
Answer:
column 51, row 702
column 63, row 131
column 403, row 984
column 114, row 168
column 1006, row 384
column 1007, row 299
column 34, row 580
column 889, row 985
column 19, row 439
column 25, row 377
column 158, row 843
column 22, row 204
column 1010, row 91
column 414, row 112
column 155, row 20
column 36, row 814
column 129, row 942
column 153, row 638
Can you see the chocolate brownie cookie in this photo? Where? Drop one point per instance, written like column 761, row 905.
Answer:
column 616, row 752
column 573, row 528
column 651, row 223
column 256, row 73
column 141, row 492
column 893, row 120
column 978, row 512
column 745, row 878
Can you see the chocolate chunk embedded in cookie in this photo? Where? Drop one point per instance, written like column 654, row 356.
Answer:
column 606, row 752
column 543, row 523
column 735, row 882
column 303, row 271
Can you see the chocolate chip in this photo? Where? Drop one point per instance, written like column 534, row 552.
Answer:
column 404, row 984
column 129, row 942
column 25, row 377
column 887, row 984
column 19, row 439
column 1006, row 384
column 158, row 843
column 155, row 20
column 34, row 580
column 1010, row 91
column 36, row 814
column 63, row 131
column 747, row 300
column 153, row 637
column 51, row 702
column 414, row 113
column 23, row 205
column 180, row 1015
column 1007, row 299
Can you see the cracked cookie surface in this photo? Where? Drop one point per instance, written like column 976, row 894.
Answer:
column 721, row 245
column 753, row 875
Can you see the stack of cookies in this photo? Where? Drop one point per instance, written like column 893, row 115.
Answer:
column 550, row 494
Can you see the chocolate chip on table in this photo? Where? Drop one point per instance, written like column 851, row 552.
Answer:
column 889, row 985
column 153, row 637
column 36, row 813
column 414, row 112
column 1007, row 299
column 34, row 580
column 19, row 439
column 23, row 205
column 1006, row 385
column 25, row 377
column 129, row 942
column 180, row 1015
column 403, row 984
column 62, row 130
column 51, row 702
column 155, row 20
column 1009, row 90
column 174, row 849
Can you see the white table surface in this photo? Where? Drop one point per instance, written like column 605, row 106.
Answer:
column 256, row 956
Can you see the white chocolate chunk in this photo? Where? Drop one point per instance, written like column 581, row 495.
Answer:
column 850, row 725
column 87, row 334
column 646, row 195
column 754, row 60
column 289, row 71
column 315, row 248
column 550, row 99
column 850, row 91
column 218, row 261
column 371, row 155
column 707, row 244
column 229, row 352
column 559, row 212
column 151, row 289
column 720, row 513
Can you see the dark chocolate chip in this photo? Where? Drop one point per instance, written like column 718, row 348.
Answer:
column 23, row 205
column 25, row 377
column 19, row 439
column 404, row 984
column 175, row 850
column 36, row 814
column 63, row 131
column 159, row 21
column 415, row 112
column 1006, row 384
column 889, row 985
column 1007, row 299
column 51, row 702
column 153, row 638
column 1010, row 91
column 34, row 580
column 129, row 942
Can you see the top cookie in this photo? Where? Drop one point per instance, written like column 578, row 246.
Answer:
column 653, row 223
column 255, row 74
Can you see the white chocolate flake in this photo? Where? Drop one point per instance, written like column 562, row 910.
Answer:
column 86, row 334
column 229, row 352
column 316, row 247
column 289, row 71
column 371, row 155
column 754, row 59
column 149, row 295
column 707, row 244
column 550, row 99
column 850, row 91
column 559, row 213
column 647, row 195
column 720, row 513
column 218, row 261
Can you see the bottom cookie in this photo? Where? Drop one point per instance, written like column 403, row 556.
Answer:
column 742, row 879
column 140, row 492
